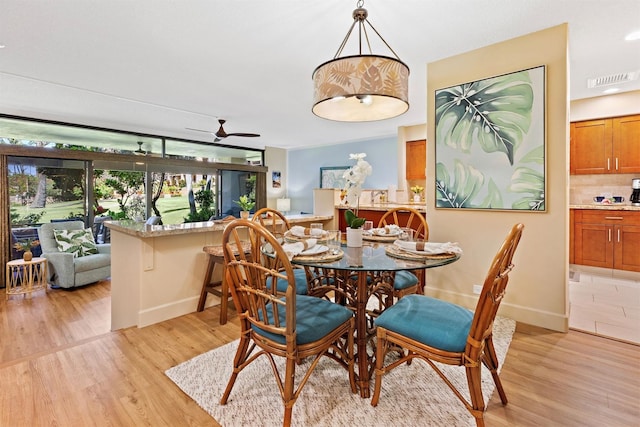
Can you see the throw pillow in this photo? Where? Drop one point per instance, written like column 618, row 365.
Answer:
column 77, row 242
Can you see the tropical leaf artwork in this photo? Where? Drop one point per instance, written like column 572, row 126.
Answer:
column 490, row 143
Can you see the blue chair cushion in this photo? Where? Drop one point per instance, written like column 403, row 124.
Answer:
column 301, row 282
column 315, row 318
column 433, row 322
column 404, row 279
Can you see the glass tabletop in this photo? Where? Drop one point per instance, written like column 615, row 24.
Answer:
column 372, row 257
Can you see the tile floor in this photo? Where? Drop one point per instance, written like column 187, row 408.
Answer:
column 605, row 306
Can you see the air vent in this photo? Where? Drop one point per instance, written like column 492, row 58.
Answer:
column 612, row 79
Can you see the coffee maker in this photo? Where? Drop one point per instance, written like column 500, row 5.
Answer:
column 635, row 194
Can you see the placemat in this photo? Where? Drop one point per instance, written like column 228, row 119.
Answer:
column 323, row 257
column 380, row 238
column 396, row 252
column 288, row 237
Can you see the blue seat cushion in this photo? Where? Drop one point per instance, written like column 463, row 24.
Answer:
column 433, row 322
column 404, row 279
column 301, row 282
column 315, row 318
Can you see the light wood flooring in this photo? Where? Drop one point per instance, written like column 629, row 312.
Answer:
column 61, row 366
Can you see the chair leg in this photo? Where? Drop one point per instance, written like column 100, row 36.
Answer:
column 224, row 298
column 474, row 380
column 238, row 361
column 381, row 348
column 205, row 283
column 288, row 396
column 491, row 362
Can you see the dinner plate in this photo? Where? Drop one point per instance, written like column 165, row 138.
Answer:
column 413, row 251
column 288, row 235
column 315, row 250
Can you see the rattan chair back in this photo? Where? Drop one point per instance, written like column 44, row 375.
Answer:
column 414, row 220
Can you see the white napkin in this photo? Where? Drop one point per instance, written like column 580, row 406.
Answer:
column 300, row 231
column 431, row 248
column 386, row 230
column 293, row 249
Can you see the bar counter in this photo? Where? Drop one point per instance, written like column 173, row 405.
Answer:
column 157, row 270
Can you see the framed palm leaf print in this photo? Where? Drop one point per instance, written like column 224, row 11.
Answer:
column 490, row 143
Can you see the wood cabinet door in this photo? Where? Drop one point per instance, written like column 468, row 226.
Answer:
column 416, row 152
column 594, row 245
column 591, row 147
column 626, row 144
column 627, row 247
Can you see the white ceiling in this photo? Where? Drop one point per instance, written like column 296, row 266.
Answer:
column 160, row 66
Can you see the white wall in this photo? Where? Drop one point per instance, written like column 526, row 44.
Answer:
column 600, row 107
column 537, row 292
column 276, row 160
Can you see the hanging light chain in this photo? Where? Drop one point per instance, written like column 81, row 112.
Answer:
column 360, row 15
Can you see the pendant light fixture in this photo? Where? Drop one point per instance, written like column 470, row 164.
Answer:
column 362, row 87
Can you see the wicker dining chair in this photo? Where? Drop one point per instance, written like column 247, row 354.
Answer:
column 277, row 224
column 292, row 326
column 437, row 331
column 402, row 282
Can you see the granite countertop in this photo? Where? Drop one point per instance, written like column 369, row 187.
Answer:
column 143, row 230
column 612, row 207
column 420, row 206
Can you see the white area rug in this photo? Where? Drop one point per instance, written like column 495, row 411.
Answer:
column 411, row 395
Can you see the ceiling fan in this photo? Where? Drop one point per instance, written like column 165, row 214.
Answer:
column 140, row 151
column 221, row 134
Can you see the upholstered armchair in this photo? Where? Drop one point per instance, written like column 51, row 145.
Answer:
column 67, row 270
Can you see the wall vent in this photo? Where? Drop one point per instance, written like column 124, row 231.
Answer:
column 612, row 79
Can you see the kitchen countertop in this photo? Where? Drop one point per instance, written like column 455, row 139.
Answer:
column 140, row 229
column 612, row 207
column 420, row 207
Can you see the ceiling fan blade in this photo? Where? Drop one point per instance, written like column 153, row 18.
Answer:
column 250, row 135
column 201, row 130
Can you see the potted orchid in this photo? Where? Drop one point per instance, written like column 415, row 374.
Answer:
column 354, row 179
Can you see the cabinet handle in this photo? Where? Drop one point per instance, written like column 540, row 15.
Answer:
column 618, row 235
column 609, row 230
column 619, row 218
column 616, row 163
column 608, row 164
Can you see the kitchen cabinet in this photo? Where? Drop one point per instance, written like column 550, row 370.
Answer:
column 416, row 155
column 606, row 146
column 608, row 239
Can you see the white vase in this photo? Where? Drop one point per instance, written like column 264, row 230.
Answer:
column 354, row 237
column 244, row 214
column 416, row 198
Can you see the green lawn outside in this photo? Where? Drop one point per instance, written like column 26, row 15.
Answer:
column 173, row 209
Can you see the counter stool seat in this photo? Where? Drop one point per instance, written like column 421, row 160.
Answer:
column 219, row 288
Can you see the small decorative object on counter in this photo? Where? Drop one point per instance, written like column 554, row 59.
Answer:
column 25, row 246
column 417, row 193
column 245, row 205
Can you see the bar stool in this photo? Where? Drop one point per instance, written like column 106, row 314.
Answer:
column 219, row 288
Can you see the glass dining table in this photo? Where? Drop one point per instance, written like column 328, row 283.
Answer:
column 352, row 279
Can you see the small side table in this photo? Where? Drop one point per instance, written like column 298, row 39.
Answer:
column 24, row 277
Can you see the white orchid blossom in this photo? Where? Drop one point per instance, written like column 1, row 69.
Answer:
column 355, row 177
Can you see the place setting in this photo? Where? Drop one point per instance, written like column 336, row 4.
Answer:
column 388, row 233
column 298, row 233
column 420, row 250
column 324, row 249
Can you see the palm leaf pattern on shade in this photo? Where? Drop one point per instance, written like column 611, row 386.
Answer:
column 494, row 112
